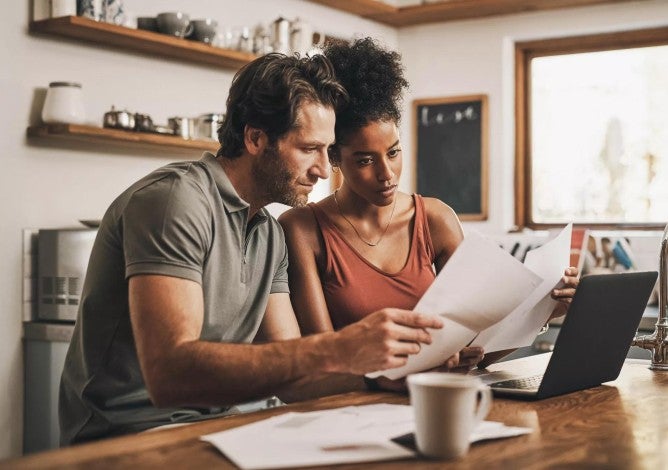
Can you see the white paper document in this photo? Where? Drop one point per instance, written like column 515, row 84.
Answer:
column 494, row 430
column 521, row 326
column 487, row 298
column 330, row 437
column 478, row 287
column 350, row 434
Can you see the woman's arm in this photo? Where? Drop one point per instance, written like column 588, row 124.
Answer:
column 445, row 230
column 304, row 248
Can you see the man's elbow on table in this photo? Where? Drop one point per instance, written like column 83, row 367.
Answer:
column 170, row 380
column 163, row 384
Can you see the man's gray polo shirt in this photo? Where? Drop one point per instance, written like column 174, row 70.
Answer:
column 183, row 220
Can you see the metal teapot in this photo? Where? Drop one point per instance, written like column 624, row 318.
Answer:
column 119, row 119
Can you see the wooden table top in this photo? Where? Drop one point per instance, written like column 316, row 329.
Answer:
column 622, row 424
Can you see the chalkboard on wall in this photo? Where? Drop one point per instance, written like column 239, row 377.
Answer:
column 451, row 152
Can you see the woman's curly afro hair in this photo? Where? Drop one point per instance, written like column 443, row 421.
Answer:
column 374, row 80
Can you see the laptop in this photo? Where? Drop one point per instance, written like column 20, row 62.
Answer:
column 594, row 339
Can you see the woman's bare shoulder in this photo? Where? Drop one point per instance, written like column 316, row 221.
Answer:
column 297, row 217
column 301, row 228
column 438, row 212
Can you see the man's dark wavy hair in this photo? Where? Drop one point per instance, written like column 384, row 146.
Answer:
column 267, row 93
column 374, row 79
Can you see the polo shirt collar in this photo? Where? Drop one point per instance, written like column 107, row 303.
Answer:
column 231, row 199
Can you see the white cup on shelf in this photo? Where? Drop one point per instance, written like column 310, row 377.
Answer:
column 63, row 8
column 41, row 10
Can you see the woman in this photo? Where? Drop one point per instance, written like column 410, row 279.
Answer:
column 368, row 245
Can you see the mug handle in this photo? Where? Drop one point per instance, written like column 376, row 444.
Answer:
column 485, row 403
column 318, row 39
column 189, row 30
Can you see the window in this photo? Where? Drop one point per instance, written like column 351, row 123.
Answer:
column 592, row 130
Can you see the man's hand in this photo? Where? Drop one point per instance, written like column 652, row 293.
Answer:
column 382, row 340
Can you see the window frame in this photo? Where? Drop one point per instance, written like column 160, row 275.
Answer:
column 525, row 52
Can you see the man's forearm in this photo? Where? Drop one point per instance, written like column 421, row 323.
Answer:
column 201, row 373
column 320, row 385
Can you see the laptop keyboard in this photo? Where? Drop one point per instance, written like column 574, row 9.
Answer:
column 529, row 383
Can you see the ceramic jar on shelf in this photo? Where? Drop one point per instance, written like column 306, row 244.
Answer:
column 64, row 104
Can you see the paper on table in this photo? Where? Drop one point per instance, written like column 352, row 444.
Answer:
column 495, row 430
column 341, row 435
column 523, row 324
column 351, row 434
column 478, row 286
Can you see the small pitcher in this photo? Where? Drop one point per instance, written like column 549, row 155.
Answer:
column 301, row 36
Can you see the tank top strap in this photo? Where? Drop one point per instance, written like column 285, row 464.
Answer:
column 320, row 216
column 328, row 232
column 422, row 227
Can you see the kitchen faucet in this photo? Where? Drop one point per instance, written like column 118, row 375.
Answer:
column 657, row 342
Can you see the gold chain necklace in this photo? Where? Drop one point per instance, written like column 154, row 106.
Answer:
column 353, row 227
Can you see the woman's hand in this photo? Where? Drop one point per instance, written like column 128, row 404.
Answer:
column 564, row 294
column 461, row 362
column 469, row 357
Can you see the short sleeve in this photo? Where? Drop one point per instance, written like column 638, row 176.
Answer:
column 280, row 282
column 167, row 229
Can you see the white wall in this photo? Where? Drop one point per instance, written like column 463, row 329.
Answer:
column 46, row 186
column 476, row 57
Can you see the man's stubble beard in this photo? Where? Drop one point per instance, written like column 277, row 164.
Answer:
column 278, row 183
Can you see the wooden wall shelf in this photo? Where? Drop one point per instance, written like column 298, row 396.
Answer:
column 147, row 42
column 449, row 10
column 101, row 135
column 363, row 8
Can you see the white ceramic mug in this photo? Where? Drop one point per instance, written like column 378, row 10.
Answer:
column 318, row 39
column 447, row 408
column 301, row 36
column 63, row 8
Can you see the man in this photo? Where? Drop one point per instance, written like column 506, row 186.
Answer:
column 188, row 268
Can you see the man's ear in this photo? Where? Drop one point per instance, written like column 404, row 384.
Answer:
column 255, row 140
